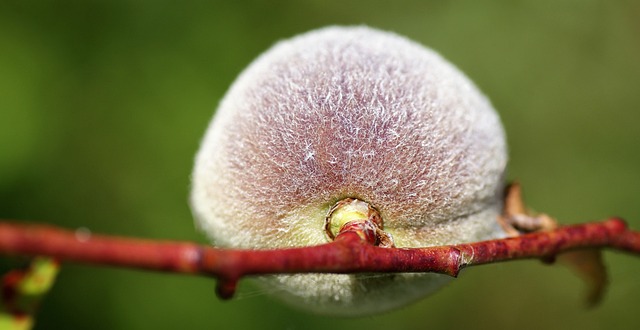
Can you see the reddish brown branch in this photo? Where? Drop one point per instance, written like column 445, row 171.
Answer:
column 353, row 251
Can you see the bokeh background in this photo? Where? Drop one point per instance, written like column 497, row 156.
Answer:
column 103, row 104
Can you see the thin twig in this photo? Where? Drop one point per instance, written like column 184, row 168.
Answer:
column 352, row 251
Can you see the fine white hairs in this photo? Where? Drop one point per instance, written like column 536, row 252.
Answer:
column 350, row 112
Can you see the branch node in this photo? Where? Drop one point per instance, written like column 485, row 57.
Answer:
column 226, row 288
column 460, row 262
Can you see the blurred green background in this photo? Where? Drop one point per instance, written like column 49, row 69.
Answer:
column 103, row 104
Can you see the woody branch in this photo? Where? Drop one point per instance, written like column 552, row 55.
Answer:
column 354, row 250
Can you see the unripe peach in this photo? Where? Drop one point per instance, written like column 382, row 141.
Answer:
column 350, row 112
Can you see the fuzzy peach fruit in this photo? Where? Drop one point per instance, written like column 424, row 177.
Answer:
column 350, row 112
